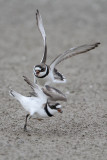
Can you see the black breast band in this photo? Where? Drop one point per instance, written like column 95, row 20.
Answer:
column 45, row 74
column 46, row 110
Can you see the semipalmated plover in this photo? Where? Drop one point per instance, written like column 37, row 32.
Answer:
column 48, row 74
column 41, row 101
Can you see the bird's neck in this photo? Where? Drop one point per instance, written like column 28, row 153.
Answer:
column 50, row 112
column 45, row 73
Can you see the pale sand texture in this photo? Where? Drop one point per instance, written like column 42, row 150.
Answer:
column 80, row 132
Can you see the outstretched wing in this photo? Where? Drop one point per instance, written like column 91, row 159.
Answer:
column 36, row 89
column 42, row 31
column 54, row 93
column 72, row 52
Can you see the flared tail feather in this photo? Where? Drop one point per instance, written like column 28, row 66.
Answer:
column 15, row 94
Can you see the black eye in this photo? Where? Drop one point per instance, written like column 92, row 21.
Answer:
column 57, row 104
column 42, row 69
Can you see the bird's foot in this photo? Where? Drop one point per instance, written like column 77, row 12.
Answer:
column 39, row 119
column 25, row 128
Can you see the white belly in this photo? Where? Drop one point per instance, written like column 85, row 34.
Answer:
column 44, row 81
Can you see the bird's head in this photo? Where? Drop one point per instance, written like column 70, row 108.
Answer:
column 41, row 70
column 56, row 106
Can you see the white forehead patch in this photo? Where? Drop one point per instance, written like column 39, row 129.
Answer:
column 58, row 106
column 38, row 68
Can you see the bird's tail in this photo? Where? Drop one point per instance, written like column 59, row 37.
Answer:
column 14, row 94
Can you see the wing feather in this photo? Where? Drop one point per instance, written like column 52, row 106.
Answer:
column 54, row 93
column 42, row 31
column 36, row 89
column 72, row 52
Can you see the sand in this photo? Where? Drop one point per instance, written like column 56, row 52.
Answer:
column 80, row 132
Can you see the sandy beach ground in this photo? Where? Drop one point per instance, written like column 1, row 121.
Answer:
column 80, row 132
